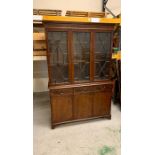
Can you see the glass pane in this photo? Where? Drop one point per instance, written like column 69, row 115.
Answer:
column 81, row 50
column 57, row 45
column 102, row 54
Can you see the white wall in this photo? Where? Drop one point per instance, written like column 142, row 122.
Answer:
column 40, row 84
column 77, row 5
column 114, row 6
column 40, row 75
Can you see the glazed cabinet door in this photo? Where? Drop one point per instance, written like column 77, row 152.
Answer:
column 81, row 56
column 102, row 55
column 58, row 57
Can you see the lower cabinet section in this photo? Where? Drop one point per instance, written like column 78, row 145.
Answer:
column 80, row 103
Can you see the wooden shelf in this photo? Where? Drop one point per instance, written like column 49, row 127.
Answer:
column 81, row 19
column 47, row 12
column 39, row 53
column 39, row 46
column 39, row 36
column 85, row 14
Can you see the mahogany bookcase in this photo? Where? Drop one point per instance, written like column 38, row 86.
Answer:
column 79, row 59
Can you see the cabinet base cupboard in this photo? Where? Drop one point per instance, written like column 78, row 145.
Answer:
column 79, row 59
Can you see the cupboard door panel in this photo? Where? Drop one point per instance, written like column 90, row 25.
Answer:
column 61, row 108
column 83, row 105
column 102, row 103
